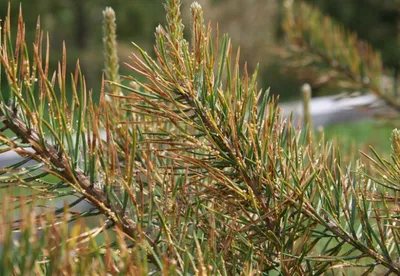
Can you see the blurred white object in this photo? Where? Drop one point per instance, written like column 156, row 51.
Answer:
column 338, row 109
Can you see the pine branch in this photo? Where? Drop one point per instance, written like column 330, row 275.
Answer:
column 196, row 168
column 27, row 121
column 317, row 37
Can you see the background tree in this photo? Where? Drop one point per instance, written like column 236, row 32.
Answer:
column 376, row 22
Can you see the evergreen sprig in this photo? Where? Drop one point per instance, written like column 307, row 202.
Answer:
column 317, row 41
column 194, row 169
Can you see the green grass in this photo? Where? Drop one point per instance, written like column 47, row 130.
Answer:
column 362, row 135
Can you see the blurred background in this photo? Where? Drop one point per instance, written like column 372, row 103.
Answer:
column 255, row 25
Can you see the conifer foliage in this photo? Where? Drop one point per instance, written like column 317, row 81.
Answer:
column 187, row 162
column 318, row 42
